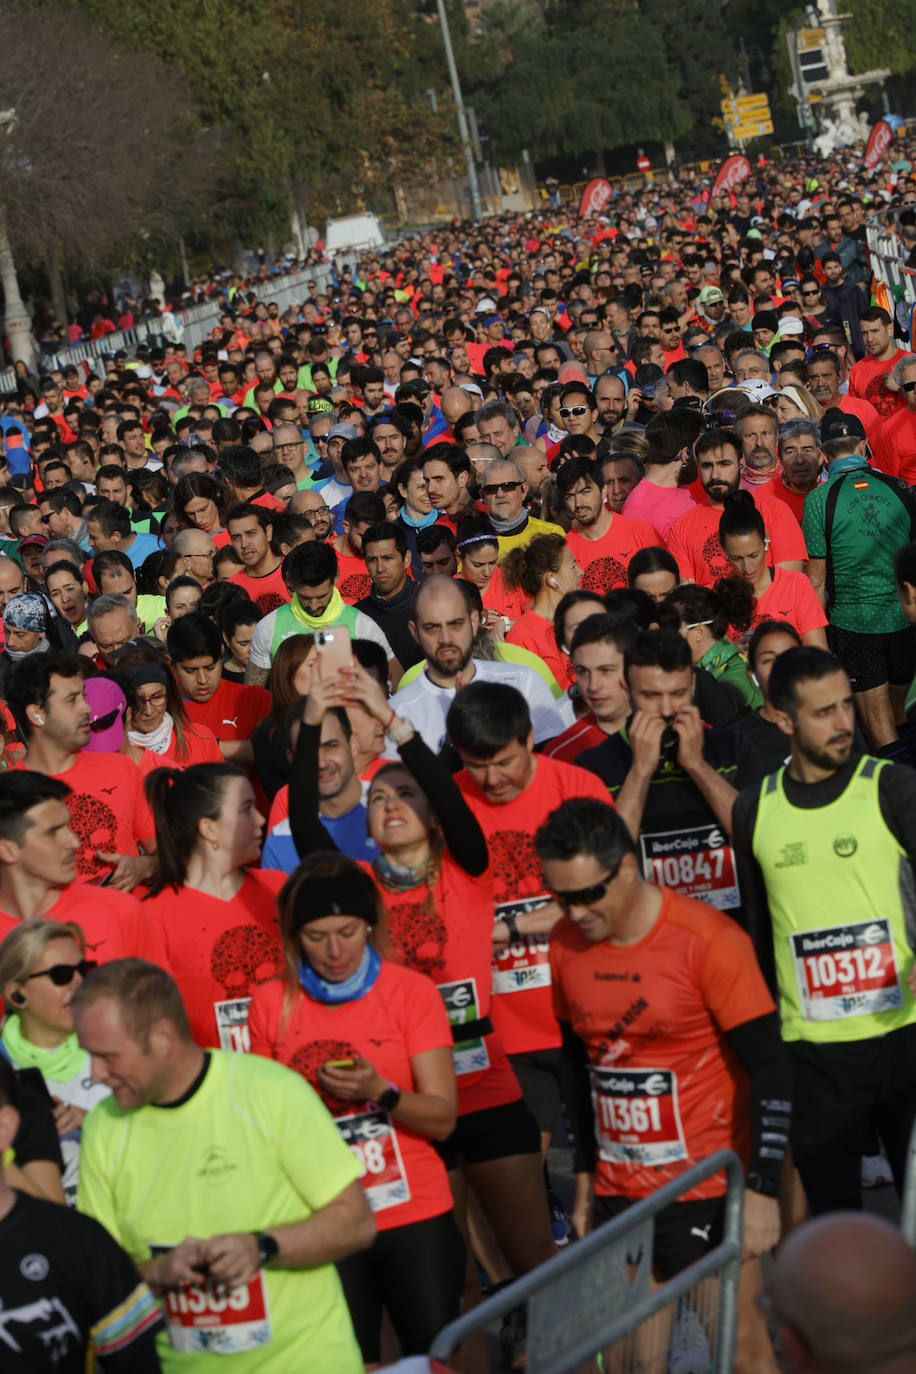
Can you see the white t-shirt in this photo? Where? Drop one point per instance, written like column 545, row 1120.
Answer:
column 426, row 706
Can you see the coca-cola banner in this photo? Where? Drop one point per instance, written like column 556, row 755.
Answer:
column 733, row 171
column 595, row 197
column 879, row 140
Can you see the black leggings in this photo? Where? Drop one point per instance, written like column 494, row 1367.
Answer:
column 416, row 1274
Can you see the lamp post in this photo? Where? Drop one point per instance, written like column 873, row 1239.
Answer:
column 463, row 130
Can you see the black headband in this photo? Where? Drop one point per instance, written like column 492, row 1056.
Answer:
column 347, row 894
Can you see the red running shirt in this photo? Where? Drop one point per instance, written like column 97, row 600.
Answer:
column 114, row 924
column 108, row 810
column 522, row 1008
column 218, row 952
column 447, row 934
column 402, row 1016
column 604, row 561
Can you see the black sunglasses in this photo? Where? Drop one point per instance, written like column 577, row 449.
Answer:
column 493, row 487
column 62, row 974
column 585, row 896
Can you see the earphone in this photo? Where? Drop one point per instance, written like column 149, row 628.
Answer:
column 39, row 720
column 18, row 998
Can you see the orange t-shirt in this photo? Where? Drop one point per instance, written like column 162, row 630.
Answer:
column 790, row 596
column 219, row 951
column 522, row 1009
column 447, row 934
column 533, row 632
column 114, row 924
column 401, row 1016
column 694, row 539
column 267, row 592
column 667, row 1088
column 108, row 809
column 604, row 561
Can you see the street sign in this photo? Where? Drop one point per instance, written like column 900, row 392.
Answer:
column 747, row 130
column 740, row 103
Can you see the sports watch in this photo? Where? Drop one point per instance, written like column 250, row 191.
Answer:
column 390, row 1098
column 268, row 1247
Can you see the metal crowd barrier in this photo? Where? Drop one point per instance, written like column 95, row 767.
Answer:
column 591, row 1309
column 192, row 325
column 887, row 256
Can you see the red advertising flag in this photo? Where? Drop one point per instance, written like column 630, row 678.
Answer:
column 879, row 140
column 733, row 171
column 595, row 197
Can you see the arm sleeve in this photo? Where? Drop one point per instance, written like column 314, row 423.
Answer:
column 576, row 1092
column 813, row 526
column 305, row 824
column 460, row 828
column 897, row 798
column 754, row 912
column 37, row 1137
column 759, row 1046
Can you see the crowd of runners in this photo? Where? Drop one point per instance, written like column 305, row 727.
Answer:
column 463, row 710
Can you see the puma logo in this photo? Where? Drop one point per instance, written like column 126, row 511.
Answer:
column 701, row 1231
column 107, row 790
column 234, row 722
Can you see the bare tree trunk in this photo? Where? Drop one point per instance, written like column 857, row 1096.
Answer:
column 18, row 324
column 54, row 269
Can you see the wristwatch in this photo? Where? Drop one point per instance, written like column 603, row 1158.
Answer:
column 390, row 1098
column 512, row 926
column 767, row 1186
column 400, row 730
column 268, row 1247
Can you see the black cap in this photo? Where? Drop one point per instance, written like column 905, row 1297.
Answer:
column 765, row 319
column 837, row 424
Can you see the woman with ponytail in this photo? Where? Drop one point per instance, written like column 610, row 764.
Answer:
column 545, row 571
column 437, row 900
column 215, row 912
column 373, row 1039
column 702, row 617
column 778, row 593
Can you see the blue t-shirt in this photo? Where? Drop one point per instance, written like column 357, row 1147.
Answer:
column 349, row 833
column 142, row 547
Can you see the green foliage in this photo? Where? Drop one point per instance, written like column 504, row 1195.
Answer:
column 879, row 33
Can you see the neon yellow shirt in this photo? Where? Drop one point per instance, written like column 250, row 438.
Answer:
column 253, row 1147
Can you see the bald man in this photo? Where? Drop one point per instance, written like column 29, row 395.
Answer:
column 843, row 1294
column 455, row 403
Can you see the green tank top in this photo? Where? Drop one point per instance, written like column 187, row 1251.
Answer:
column 288, row 623
column 835, row 880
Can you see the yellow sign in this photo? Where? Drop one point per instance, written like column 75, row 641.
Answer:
column 806, row 39
column 741, row 103
column 747, row 129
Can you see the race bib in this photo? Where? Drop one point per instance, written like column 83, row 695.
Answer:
column 525, row 963
column 462, row 1006
column 374, row 1142
column 848, row 970
column 201, row 1319
column 637, row 1120
column 232, row 1024
column 697, row 862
